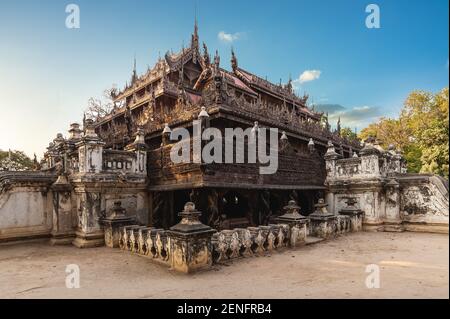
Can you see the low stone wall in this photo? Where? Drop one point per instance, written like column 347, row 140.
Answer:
column 424, row 202
column 26, row 205
column 391, row 199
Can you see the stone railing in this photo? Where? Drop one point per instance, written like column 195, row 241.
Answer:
column 247, row 242
column 348, row 167
column 146, row 241
column 190, row 245
column 118, row 161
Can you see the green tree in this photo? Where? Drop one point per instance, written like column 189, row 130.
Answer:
column 348, row 133
column 15, row 161
column 421, row 132
column 427, row 117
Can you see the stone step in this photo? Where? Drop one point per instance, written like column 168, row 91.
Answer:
column 313, row 240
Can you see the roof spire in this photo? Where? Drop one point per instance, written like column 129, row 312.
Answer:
column 234, row 61
column 206, row 57
column 134, row 74
column 289, row 85
column 195, row 41
column 217, row 59
column 338, row 126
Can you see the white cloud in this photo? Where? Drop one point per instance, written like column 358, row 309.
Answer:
column 306, row 76
column 359, row 116
column 228, row 37
column 309, row 75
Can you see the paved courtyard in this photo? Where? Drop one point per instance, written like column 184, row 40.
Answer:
column 412, row 265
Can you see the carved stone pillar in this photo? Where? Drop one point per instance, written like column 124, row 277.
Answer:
column 323, row 223
column 63, row 231
column 190, row 242
column 330, row 160
column 89, row 232
column 90, row 150
column 393, row 221
column 296, row 222
column 140, row 148
column 355, row 214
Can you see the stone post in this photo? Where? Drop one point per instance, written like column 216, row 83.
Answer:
column 355, row 214
column 296, row 222
column 371, row 202
column 89, row 232
column 90, row 150
column 117, row 218
column 330, row 160
column 63, row 231
column 330, row 165
column 370, row 164
column 140, row 148
column 323, row 223
column 190, row 242
column 90, row 153
column 393, row 221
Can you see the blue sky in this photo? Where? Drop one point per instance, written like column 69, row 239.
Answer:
column 48, row 72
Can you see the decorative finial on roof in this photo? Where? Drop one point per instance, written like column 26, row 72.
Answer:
column 338, row 126
column 195, row 41
column 134, row 74
column 234, row 61
column 206, row 57
column 217, row 60
column 289, row 85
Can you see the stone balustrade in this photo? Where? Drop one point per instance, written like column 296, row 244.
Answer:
column 146, row 241
column 119, row 161
column 251, row 241
column 190, row 245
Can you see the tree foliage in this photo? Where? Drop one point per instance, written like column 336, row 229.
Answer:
column 15, row 161
column 420, row 132
column 348, row 133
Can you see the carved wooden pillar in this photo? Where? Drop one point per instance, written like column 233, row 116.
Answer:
column 213, row 208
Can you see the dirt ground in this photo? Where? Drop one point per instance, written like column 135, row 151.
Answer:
column 412, row 265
